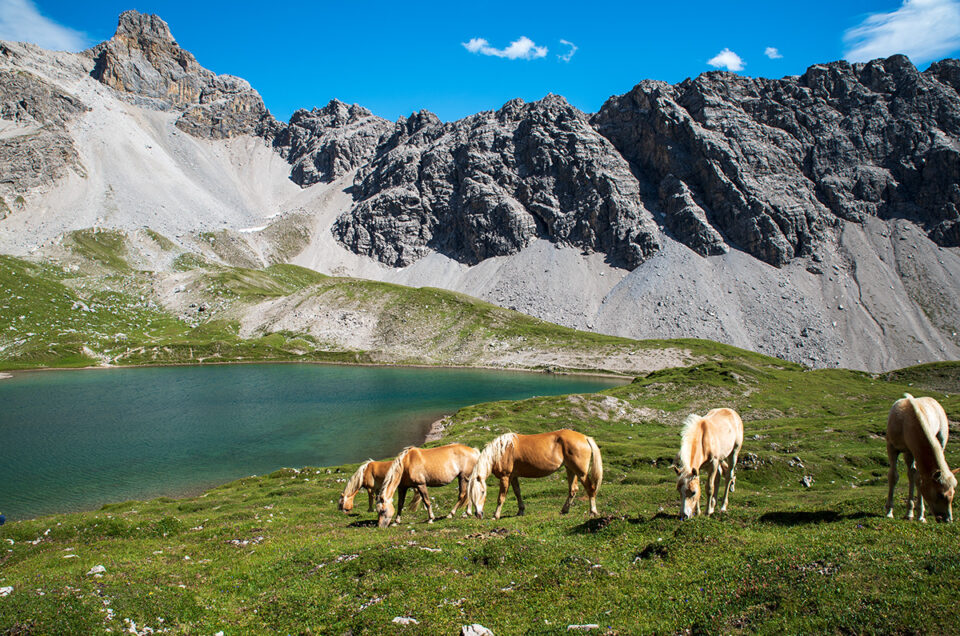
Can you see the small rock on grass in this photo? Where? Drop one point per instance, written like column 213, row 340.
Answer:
column 475, row 629
column 405, row 620
column 582, row 628
column 6, row 591
column 97, row 570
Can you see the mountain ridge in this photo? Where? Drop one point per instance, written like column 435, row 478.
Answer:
column 589, row 220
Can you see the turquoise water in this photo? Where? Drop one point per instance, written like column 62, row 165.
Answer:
column 74, row 440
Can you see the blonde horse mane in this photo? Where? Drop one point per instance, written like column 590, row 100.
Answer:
column 356, row 480
column 492, row 452
column 394, row 474
column 946, row 477
column 690, row 425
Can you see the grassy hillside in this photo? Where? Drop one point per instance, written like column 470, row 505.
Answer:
column 91, row 305
column 272, row 554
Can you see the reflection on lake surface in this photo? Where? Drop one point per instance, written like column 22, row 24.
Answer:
column 73, row 440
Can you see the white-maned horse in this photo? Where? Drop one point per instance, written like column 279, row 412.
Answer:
column 368, row 476
column 421, row 467
column 918, row 428
column 512, row 456
column 712, row 442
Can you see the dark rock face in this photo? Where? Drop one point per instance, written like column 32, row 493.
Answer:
column 42, row 151
column 142, row 59
column 773, row 164
column 323, row 144
column 489, row 184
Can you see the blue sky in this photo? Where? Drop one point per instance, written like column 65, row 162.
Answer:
column 456, row 59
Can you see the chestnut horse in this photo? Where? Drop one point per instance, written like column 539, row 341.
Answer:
column 512, row 456
column 707, row 441
column 917, row 427
column 370, row 477
column 421, row 467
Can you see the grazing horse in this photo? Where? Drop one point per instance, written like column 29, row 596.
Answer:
column 707, row 441
column 370, row 477
column 421, row 467
column 917, row 427
column 512, row 456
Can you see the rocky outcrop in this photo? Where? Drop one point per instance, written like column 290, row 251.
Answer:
column 35, row 148
column 143, row 60
column 490, row 184
column 326, row 143
column 772, row 165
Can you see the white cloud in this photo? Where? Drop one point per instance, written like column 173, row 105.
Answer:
column 772, row 53
column 20, row 21
column 923, row 30
column 726, row 59
column 524, row 49
column 573, row 49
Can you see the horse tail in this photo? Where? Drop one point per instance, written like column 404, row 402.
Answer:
column 415, row 500
column 596, row 464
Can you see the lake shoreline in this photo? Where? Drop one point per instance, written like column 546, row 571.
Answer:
column 10, row 373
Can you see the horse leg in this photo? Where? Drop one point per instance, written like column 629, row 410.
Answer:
column 912, row 473
column 504, row 484
column 572, row 483
column 591, row 489
column 515, row 482
column 371, row 497
column 462, row 498
column 712, row 474
column 401, row 497
column 892, row 477
column 731, row 473
column 422, row 489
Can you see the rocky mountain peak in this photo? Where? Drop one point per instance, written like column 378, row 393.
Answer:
column 134, row 26
column 490, row 184
column 325, row 143
column 145, row 63
column 769, row 166
column 143, row 59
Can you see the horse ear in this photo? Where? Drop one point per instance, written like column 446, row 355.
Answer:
column 675, row 468
column 695, row 472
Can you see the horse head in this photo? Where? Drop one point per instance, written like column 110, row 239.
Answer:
column 688, row 485
column 345, row 504
column 477, row 493
column 938, row 491
column 385, row 512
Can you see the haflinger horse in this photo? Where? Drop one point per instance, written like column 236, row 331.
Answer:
column 512, row 456
column 918, row 428
column 421, row 467
column 712, row 441
column 369, row 477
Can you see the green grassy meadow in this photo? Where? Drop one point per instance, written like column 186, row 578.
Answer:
column 271, row 554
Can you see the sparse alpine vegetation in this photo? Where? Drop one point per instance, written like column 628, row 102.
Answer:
column 90, row 304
